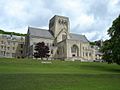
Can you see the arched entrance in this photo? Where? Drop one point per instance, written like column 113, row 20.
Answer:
column 75, row 51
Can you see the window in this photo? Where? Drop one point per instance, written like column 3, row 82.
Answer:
column 8, row 48
column 74, row 49
column 13, row 54
column 83, row 48
column 7, row 54
column 53, row 45
column 1, row 52
column 57, row 52
column 86, row 54
column 8, row 43
column 83, row 53
column 21, row 52
column 13, row 43
column 89, row 54
column 52, row 51
column 63, row 37
column 1, row 47
column 2, row 42
column 13, row 48
column 21, row 45
column 4, row 53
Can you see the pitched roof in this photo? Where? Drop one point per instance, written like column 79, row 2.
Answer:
column 78, row 37
column 40, row 32
column 47, row 34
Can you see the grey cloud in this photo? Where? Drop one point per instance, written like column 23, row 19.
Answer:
column 97, row 37
column 99, row 8
column 38, row 21
column 38, row 13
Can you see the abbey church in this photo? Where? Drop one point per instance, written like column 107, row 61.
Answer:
column 62, row 44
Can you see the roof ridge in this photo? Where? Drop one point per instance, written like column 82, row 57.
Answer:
column 77, row 34
column 37, row 28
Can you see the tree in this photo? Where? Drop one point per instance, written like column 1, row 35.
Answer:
column 112, row 46
column 42, row 51
column 106, row 50
column 97, row 43
column 11, row 33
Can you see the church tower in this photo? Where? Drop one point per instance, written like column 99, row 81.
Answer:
column 59, row 27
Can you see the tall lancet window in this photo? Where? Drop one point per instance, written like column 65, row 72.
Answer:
column 64, row 36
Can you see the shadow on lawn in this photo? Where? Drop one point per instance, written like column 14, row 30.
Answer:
column 102, row 68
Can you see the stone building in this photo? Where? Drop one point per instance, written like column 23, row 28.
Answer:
column 11, row 46
column 63, row 44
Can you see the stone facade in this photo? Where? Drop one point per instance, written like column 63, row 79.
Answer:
column 63, row 44
column 11, row 46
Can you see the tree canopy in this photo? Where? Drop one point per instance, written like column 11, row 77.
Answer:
column 42, row 51
column 111, row 47
column 97, row 43
column 11, row 33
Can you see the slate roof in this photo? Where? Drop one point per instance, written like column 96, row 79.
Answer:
column 78, row 37
column 47, row 34
column 40, row 32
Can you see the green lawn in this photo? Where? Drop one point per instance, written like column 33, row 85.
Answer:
column 21, row 74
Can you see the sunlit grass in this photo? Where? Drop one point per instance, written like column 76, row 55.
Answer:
column 28, row 74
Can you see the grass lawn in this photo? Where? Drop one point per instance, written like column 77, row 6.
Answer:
column 24, row 74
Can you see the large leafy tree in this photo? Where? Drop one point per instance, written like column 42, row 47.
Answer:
column 111, row 47
column 106, row 49
column 42, row 51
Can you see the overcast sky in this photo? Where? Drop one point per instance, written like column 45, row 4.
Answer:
column 88, row 17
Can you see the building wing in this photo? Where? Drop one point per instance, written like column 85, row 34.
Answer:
column 78, row 37
column 43, row 33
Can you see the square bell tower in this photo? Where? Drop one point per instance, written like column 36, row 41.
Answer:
column 59, row 27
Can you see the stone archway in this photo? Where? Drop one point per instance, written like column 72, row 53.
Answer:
column 75, row 51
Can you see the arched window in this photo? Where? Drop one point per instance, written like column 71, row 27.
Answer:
column 64, row 36
column 75, row 50
column 52, row 51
